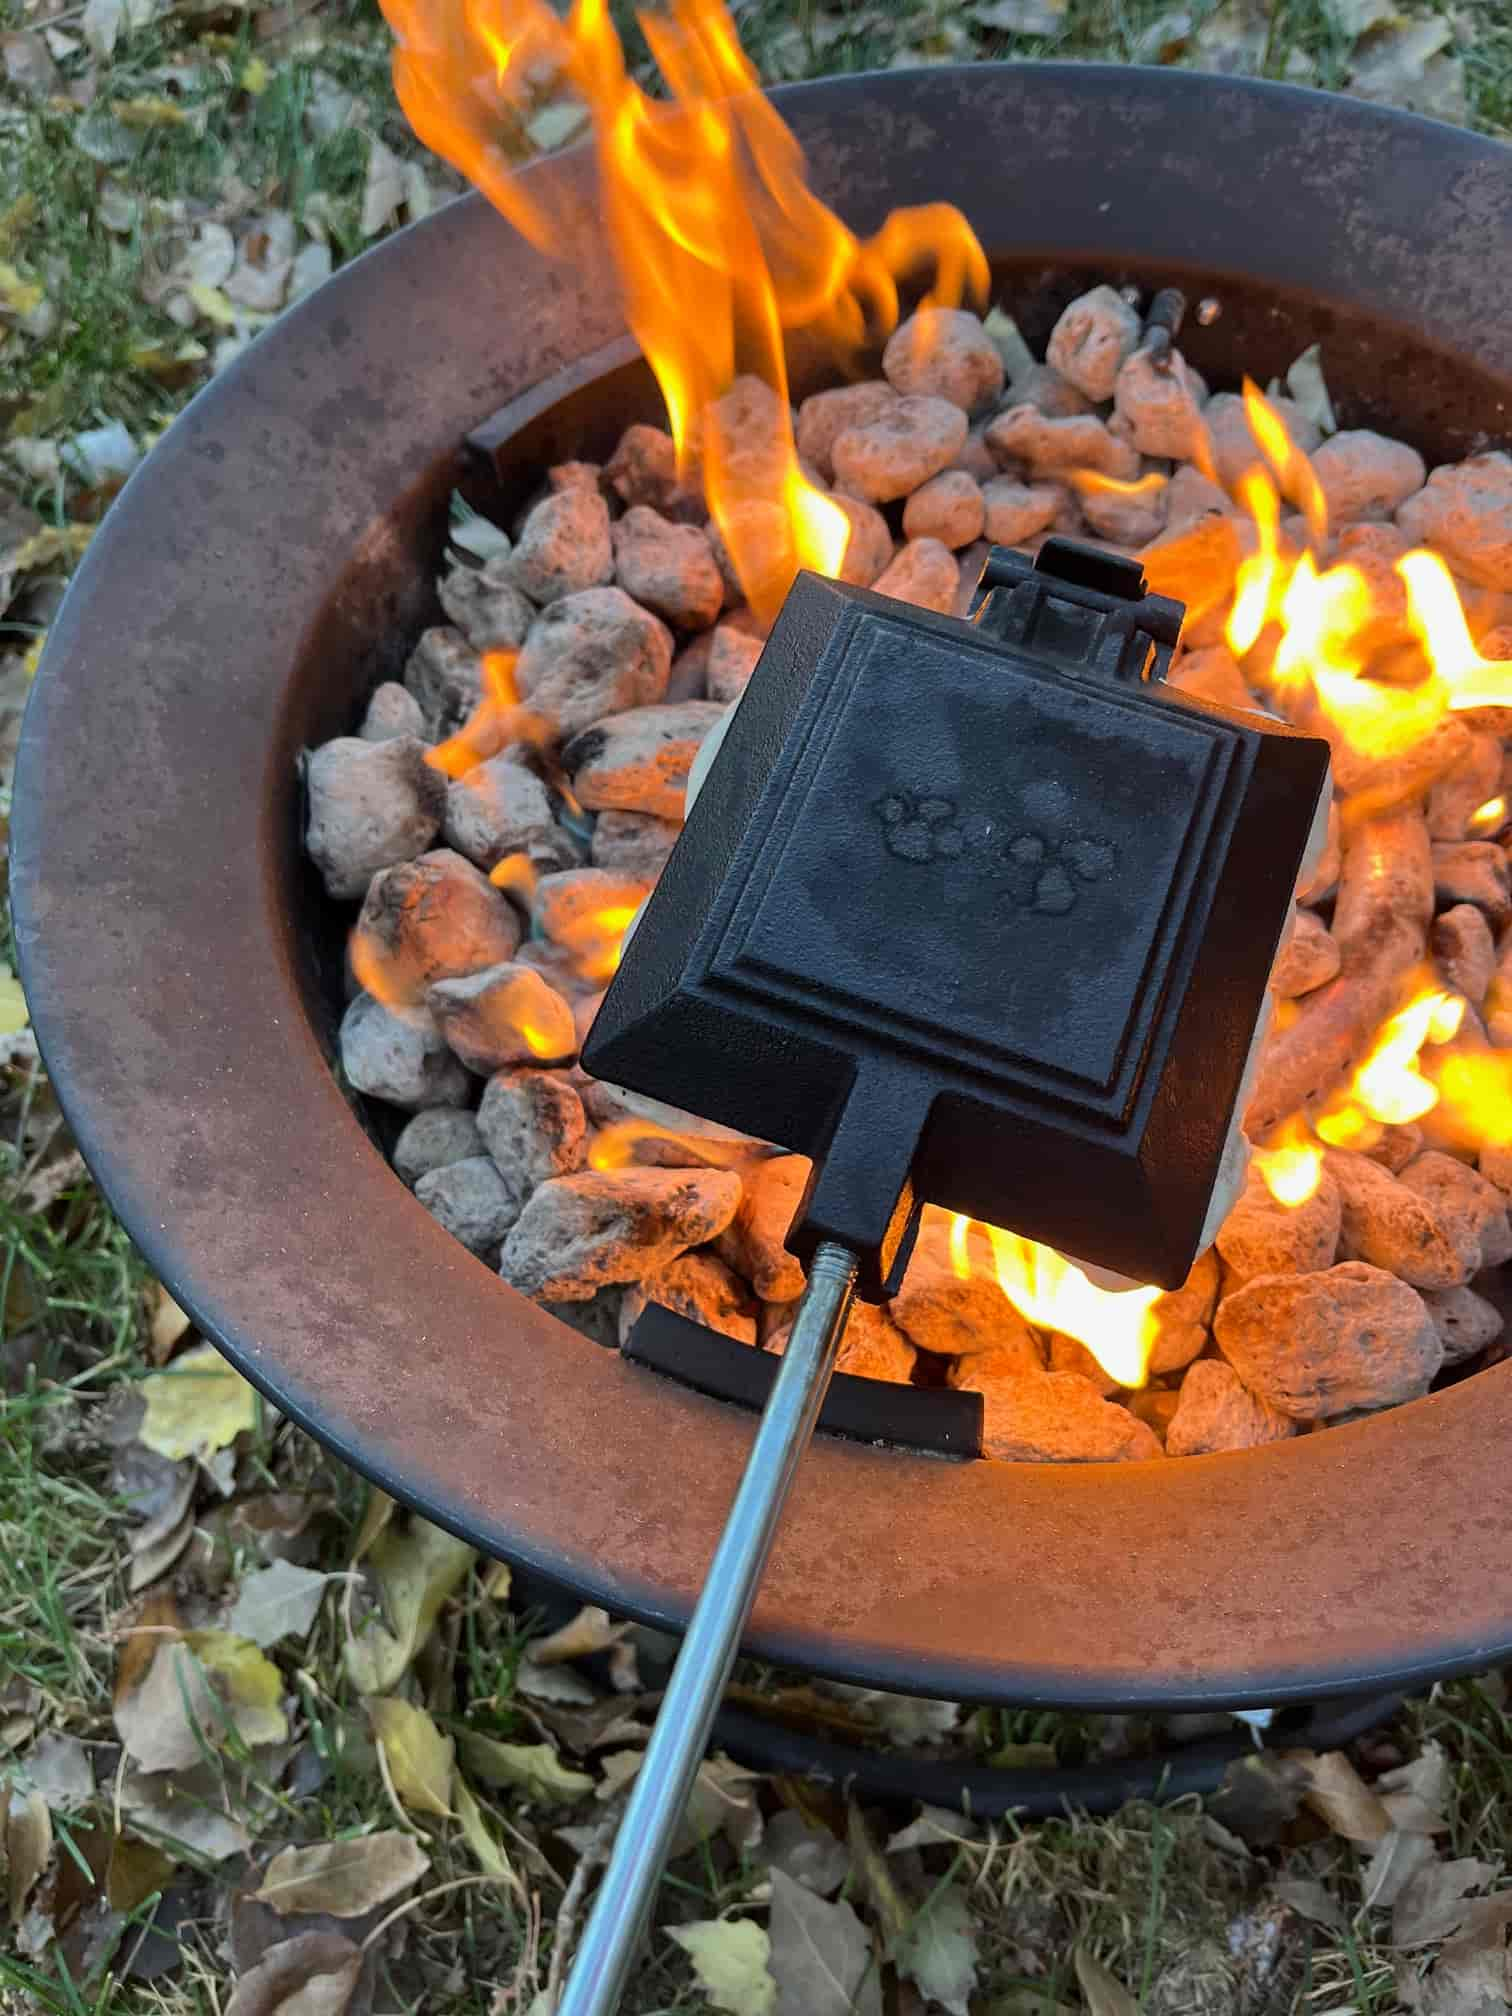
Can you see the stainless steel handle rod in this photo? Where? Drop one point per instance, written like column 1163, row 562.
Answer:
column 665, row 1779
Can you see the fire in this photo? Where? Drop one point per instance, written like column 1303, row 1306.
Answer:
column 720, row 245
column 516, row 876
column 1119, row 1329
column 1488, row 817
column 1389, row 1087
column 596, row 939
column 1094, row 483
column 1291, row 1165
column 1438, row 622
column 1475, row 1090
column 1295, row 475
column 1255, row 584
column 499, row 719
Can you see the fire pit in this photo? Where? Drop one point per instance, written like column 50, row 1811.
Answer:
column 184, row 969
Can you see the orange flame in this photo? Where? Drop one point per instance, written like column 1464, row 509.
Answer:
column 497, row 720
column 1389, row 1087
column 1092, row 482
column 1488, row 817
column 1291, row 1164
column 1475, row 1090
column 516, row 876
column 1295, row 475
column 613, row 1147
column 719, row 243
column 1438, row 621
column 1118, row 1328
column 595, row 939
column 1256, row 585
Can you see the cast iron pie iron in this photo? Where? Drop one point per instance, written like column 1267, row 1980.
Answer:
column 978, row 913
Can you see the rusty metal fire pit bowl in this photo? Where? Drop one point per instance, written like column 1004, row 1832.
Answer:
column 274, row 559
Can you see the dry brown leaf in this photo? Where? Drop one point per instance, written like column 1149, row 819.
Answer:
column 345, row 1878
column 28, row 1846
column 821, row 1955
column 157, row 1544
column 135, row 1869
column 589, row 1631
column 421, row 1761
column 1435, row 1902
column 1339, row 1795
column 58, row 1767
column 1308, row 1898
column 1473, row 1973
column 1396, row 1860
column 169, row 1323
column 311, row 1975
column 382, row 188
column 191, row 1809
column 1414, row 1794
column 153, row 1623
column 1105, row 1996
column 174, row 1717
column 279, row 1601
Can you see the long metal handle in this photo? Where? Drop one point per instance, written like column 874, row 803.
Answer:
column 676, row 1749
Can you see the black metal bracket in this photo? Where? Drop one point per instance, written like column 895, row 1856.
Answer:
column 1084, row 609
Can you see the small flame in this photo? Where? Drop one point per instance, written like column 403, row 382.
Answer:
column 720, row 244
column 1294, row 473
column 516, row 876
column 1291, row 1164
column 595, row 939
column 1256, row 584
column 1488, row 817
column 613, row 1147
column 1475, row 1090
column 1389, row 1086
column 1119, row 1329
column 1092, row 482
column 497, row 720
column 1438, row 620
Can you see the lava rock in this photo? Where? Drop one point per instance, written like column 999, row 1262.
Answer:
column 1365, row 475
column 668, row 568
column 579, row 1233
column 1470, row 1208
column 472, row 1201
column 873, row 1346
column 1459, row 793
column 1160, row 408
column 564, row 546
column 1015, row 511
column 1023, row 435
column 633, row 843
column 753, row 1241
column 643, row 470
column 504, row 1015
column 1058, row 1417
column 392, row 712
column 1190, row 495
column 948, row 507
column 1396, row 1147
column 1260, row 1236
column 591, row 655
column 582, row 904
column 1127, row 518
column 439, row 1135
column 639, row 762
column 1049, row 393
column 753, row 427
column 503, row 807
column 575, row 476
column 900, row 449
column 1464, row 951
column 1465, row 511
column 400, row 1058
column 1393, row 1225
column 445, row 674
column 870, row 545
column 1183, row 1315
column 533, row 1125
column 428, row 920
column 1308, row 959
column 1234, row 447
column 1473, row 871
column 1318, row 1345
column 939, row 1312
column 733, row 657
column 1090, row 342
column 1466, row 1322
column 1069, row 1354
column 370, row 805
column 1215, row 1410
column 825, row 416
column 1212, row 674
column 944, row 353
column 702, row 1288
column 924, row 573
column 486, row 605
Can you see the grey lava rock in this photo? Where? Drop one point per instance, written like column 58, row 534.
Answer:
column 924, row 573
column 370, row 804
column 870, row 545
column 1466, row 1322
column 1048, row 392
column 633, row 843
column 1184, row 1315
column 571, row 903
column 825, row 416
column 532, row 1124
column 486, row 605
column 1162, row 409
column 1260, row 1236
column 504, row 807
column 445, row 674
column 1366, row 475
column 564, row 546
column 439, row 1135
column 948, row 507
column 430, row 920
column 1470, row 1207
column 668, row 568
column 392, row 712
column 402, row 1058
column 1015, row 511
column 505, row 1015
column 580, row 1233
column 1464, row 951
column 643, row 470
column 1234, row 446
column 1309, row 958
column 639, row 762
column 944, row 353
column 1465, row 510
column 1091, row 340
column 733, row 657
column 753, row 1241
column 1046, row 447
column 1319, row 1345
column 472, row 1201
column 1216, row 1410
column 1190, row 495
column 702, row 1288
column 900, row 449
column 591, row 655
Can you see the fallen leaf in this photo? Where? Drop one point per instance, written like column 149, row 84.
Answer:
column 723, row 1801
column 382, row 188
column 487, row 1852
column 1396, row 1860
column 345, row 1878
column 277, row 1602
column 14, row 1013
column 804, row 1852
column 174, row 1716
column 1339, row 1795
column 934, row 1826
column 146, row 113
column 28, row 62
column 1104, row 1995
column 532, row 1768
column 416, row 1570
column 1309, row 1899
column 190, row 1809
column 420, row 1759
column 169, row 1322
column 907, row 1718
column 589, row 1631
column 255, row 77
column 888, row 1908
column 153, row 1622
column 729, row 1957
column 1306, row 385
column 134, row 1871
column 58, row 1767
column 18, row 295
column 1414, row 1794
column 155, row 1546
column 1471, row 1976
column 376, row 1514
column 196, row 1405
column 1021, row 17
column 249, row 1682
column 1434, row 1902
column 28, row 1846
column 213, row 305
column 820, row 1955
column 311, row 1975
column 938, row 1952
column 553, row 1683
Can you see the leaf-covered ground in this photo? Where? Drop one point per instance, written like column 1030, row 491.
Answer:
column 267, row 1744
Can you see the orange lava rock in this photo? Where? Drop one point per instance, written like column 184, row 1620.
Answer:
column 827, row 415
column 1394, row 1226
column 507, row 1014
column 752, row 1243
column 1215, row 1410
column 1464, row 951
column 1318, row 1345
column 1469, row 1206
column 900, row 449
column 1059, row 1417
column 1308, row 959
column 1183, row 1316
column 432, row 919
column 924, row 573
column 948, row 507
column 1261, row 1236
column 944, row 353
column 1465, row 1321
column 702, row 1288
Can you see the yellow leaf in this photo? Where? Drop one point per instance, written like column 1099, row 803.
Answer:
column 17, row 296
column 497, row 1585
column 169, row 1323
column 730, row 1957
column 487, row 1853
column 13, row 1009
column 17, row 220
column 212, row 304
column 249, row 1683
column 166, row 357
column 196, row 1405
column 144, row 113
column 346, row 1878
column 53, row 542
column 33, row 656
column 417, row 1568
column 376, row 1514
column 534, row 1768
column 420, row 1759
column 255, row 77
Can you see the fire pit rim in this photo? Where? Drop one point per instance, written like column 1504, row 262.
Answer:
column 867, row 1602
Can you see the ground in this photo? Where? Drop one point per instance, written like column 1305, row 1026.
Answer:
column 264, row 1742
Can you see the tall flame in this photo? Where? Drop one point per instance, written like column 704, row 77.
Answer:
column 1119, row 1328
column 720, row 245
column 1438, row 620
column 1291, row 1164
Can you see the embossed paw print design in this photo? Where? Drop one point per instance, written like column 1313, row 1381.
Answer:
column 1044, row 869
